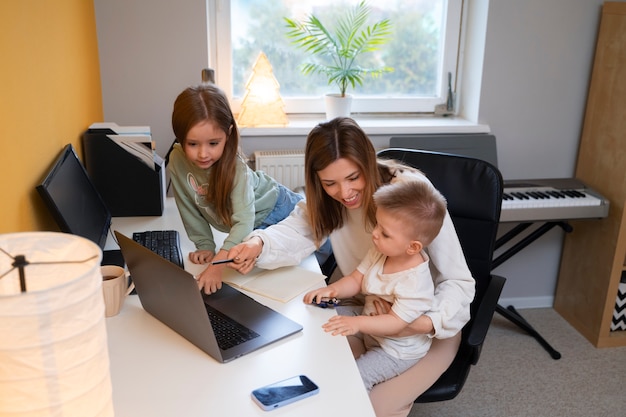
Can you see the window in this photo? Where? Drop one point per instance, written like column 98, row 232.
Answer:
column 423, row 51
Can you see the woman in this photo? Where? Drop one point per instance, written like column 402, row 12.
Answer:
column 342, row 173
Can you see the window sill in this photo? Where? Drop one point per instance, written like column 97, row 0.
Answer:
column 375, row 125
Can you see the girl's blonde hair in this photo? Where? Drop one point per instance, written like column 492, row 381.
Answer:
column 207, row 102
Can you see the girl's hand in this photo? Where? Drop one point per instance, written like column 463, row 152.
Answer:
column 245, row 255
column 201, row 256
column 210, row 280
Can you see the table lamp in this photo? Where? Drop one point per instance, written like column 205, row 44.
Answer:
column 262, row 104
column 54, row 358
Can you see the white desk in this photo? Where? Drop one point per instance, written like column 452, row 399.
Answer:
column 155, row 372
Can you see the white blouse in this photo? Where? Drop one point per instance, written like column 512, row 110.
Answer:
column 290, row 241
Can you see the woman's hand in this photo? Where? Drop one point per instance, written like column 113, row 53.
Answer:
column 201, row 256
column 245, row 254
column 377, row 306
column 421, row 325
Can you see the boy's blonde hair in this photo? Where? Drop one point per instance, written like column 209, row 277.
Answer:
column 418, row 204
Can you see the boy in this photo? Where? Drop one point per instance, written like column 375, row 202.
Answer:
column 409, row 216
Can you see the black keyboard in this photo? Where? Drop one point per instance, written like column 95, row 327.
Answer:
column 165, row 243
column 227, row 331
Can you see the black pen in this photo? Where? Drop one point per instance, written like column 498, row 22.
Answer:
column 223, row 261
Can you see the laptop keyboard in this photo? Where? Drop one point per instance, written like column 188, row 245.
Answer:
column 227, row 331
column 165, row 243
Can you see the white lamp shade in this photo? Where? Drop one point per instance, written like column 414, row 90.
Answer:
column 54, row 359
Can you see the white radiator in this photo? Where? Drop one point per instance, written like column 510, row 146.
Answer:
column 286, row 166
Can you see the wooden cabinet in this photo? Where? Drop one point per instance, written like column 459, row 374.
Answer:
column 594, row 254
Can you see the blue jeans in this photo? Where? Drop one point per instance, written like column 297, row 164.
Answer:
column 285, row 203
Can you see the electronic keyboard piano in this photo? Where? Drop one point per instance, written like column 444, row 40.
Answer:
column 551, row 199
column 551, row 202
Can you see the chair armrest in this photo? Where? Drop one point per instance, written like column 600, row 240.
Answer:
column 484, row 312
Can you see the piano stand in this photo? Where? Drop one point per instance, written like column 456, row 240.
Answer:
column 510, row 312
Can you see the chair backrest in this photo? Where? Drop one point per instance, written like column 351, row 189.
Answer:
column 473, row 190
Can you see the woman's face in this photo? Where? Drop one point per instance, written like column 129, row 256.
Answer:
column 343, row 181
column 204, row 144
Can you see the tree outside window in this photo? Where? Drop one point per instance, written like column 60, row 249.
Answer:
column 421, row 36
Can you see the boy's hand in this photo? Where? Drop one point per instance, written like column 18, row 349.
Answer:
column 342, row 325
column 318, row 294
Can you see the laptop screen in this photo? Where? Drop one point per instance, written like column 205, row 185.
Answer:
column 73, row 200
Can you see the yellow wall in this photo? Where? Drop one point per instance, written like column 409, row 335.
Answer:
column 49, row 94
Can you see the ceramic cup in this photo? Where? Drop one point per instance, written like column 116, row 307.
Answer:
column 115, row 288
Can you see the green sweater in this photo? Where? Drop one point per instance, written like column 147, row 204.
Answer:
column 253, row 197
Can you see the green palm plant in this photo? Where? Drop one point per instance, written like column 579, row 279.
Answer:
column 341, row 46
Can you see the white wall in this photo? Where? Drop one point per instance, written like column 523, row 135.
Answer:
column 537, row 66
column 537, row 61
column 150, row 50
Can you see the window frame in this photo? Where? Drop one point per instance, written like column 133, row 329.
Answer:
column 220, row 58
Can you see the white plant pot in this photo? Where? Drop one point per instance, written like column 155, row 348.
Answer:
column 337, row 106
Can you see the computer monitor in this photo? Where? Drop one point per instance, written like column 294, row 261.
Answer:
column 73, row 200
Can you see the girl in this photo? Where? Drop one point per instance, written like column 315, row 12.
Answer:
column 213, row 185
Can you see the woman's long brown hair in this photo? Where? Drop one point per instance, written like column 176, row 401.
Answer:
column 339, row 138
column 207, row 102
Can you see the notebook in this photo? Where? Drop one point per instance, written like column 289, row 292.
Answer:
column 171, row 295
column 281, row 284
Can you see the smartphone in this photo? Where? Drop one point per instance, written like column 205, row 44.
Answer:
column 284, row 392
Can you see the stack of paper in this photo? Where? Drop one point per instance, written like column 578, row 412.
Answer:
column 136, row 140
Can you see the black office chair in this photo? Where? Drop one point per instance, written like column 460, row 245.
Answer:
column 473, row 189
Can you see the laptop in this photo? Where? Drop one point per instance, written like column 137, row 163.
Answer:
column 171, row 295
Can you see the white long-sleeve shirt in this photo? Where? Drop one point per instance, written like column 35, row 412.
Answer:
column 290, row 241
